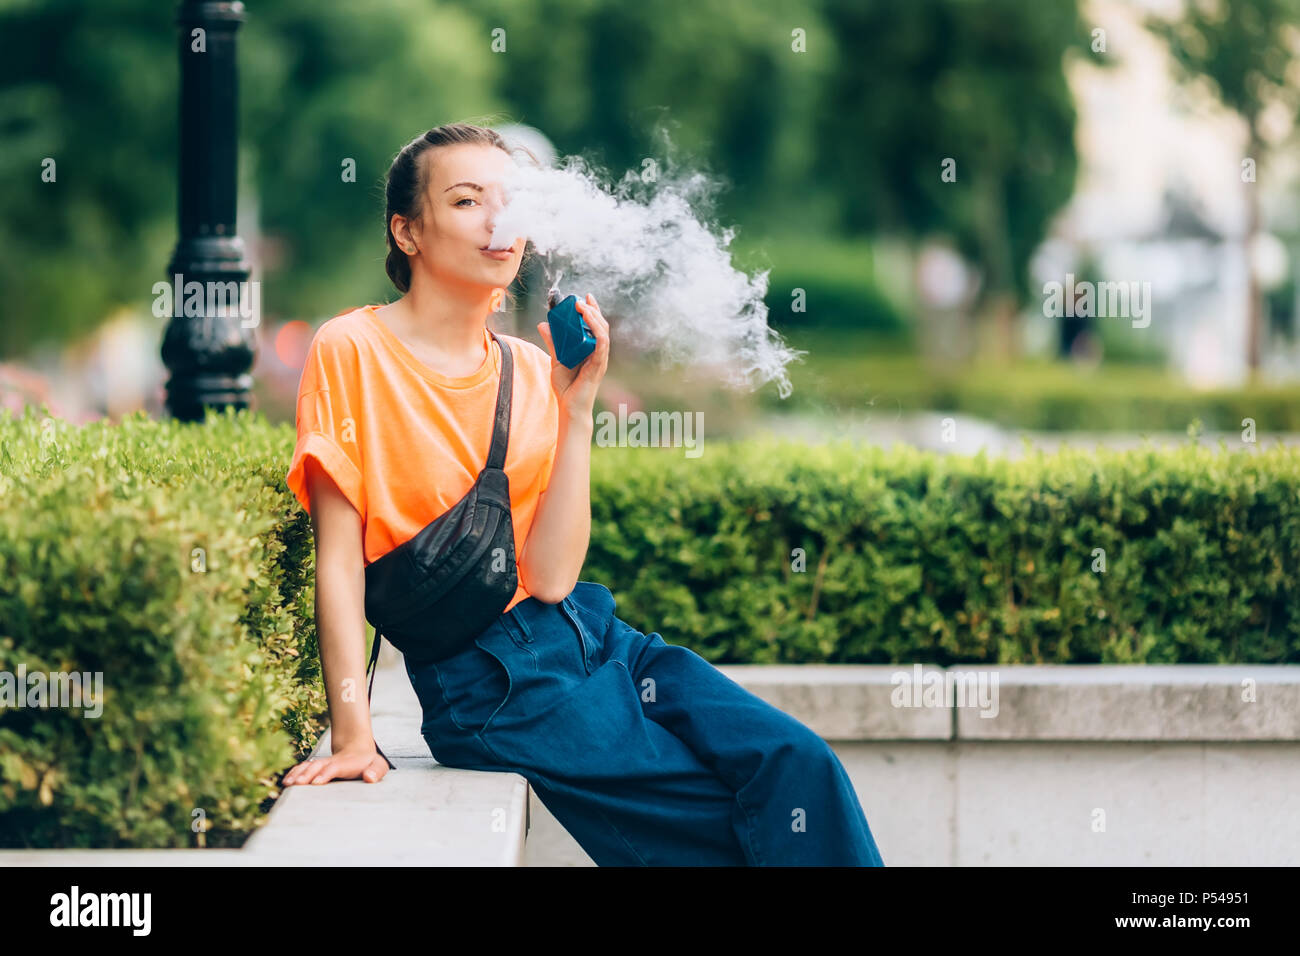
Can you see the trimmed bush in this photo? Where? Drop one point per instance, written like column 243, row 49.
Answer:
column 911, row 556
column 167, row 557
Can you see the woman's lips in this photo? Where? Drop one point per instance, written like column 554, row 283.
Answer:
column 499, row 254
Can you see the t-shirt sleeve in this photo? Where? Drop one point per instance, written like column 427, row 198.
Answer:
column 327, row 420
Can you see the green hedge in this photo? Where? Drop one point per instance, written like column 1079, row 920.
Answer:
column 210, row 672
column 212, row 681
column 912, row 556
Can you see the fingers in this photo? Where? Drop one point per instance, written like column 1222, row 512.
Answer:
column 324, row 769
column 305, row 772
column 599, row 327
column 329, row 769
column 591, row 311
column 544, row 330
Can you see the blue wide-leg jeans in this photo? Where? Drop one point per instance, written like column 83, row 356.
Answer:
column 646, row 753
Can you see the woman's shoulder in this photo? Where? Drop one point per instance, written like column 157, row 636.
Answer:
column 342, row 334
column 533, row 357
column 349, row 323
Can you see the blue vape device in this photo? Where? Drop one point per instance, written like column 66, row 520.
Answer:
column 569, row 333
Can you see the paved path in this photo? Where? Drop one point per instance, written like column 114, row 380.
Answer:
column 926, row 430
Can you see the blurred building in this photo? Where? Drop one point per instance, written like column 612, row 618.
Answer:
column 1160, row 198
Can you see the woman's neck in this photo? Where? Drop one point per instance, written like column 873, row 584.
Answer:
column 444, row 317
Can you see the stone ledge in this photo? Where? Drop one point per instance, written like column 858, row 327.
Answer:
column 843, row 701
column 420, row 814
column 1161, row 702
column 80, row 857
column 1166, row 702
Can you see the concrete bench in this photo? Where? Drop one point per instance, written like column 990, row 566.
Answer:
column 1178, row 765
column 420, row 814
column 1169, row 765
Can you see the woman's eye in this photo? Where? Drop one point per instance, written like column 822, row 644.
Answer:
column 466, row 199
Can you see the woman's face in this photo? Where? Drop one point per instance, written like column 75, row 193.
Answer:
column 464, row 195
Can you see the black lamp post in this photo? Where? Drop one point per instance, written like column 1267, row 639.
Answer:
column 208, row 348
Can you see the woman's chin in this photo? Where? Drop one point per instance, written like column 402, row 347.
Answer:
column 500, row 273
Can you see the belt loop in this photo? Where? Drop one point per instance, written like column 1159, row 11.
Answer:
column 516, row 627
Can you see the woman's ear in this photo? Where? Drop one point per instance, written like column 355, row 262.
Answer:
column 397, row 226
column 401, row 228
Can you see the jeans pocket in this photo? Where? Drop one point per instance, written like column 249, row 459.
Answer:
column 594, row 730
column 586, row 645
column 475, row 685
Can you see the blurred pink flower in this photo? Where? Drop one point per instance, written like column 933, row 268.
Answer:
column 20, row 387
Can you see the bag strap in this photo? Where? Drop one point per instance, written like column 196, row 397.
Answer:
column 501, row 425
column 496, row 459
column 370, row 674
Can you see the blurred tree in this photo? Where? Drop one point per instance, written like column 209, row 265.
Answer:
column 707, row 83
column 1248, row 54
column 325, row 84
column 822, row 116
column 94, row 87
column 976, row 90
column 90, row 89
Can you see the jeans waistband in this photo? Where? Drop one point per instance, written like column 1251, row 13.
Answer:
column 588, row 603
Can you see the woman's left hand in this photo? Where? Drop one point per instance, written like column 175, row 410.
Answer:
column 576, row 387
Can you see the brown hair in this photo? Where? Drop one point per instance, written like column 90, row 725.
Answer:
column 408, row 177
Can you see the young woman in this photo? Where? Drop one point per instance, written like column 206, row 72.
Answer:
column 645, row 752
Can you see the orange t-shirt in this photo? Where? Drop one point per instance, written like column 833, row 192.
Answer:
column 405, row 443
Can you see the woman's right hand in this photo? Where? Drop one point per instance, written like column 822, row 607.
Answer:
column 347, row 764
column 575, row 389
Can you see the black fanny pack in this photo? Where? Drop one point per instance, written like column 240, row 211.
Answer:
column 436, row 592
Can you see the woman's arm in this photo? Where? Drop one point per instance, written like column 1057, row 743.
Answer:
column 552, row 558
column 341, row 634
column 561, row 531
